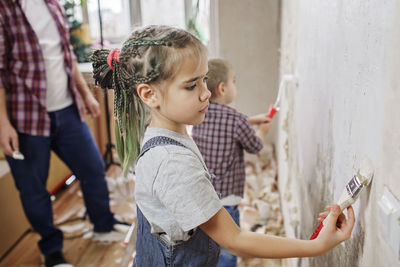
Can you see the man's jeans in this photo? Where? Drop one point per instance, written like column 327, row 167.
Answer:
column 72, row 141
column 226, row 259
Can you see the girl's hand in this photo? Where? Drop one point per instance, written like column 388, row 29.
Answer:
column 336, row 227
column 324, row 214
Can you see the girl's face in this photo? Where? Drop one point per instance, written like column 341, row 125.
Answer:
column 184, row 99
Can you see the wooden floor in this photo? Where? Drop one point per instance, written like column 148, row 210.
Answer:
column 78, row 248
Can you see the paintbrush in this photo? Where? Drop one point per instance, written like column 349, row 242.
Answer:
column 274, row 108
column 353, row 189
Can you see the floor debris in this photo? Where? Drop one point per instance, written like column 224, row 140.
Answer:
column 260, row 209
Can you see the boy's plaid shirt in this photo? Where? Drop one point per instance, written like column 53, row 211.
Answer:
column 22, row 67
column 221, row 138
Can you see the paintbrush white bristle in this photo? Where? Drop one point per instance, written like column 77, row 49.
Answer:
column 366, row 171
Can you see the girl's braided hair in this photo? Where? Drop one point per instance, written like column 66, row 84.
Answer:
column 152, row 54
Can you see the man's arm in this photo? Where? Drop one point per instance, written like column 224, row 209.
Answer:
column 90, row 101
column 8, row 135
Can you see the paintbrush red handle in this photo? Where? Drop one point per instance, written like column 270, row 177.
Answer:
column 316, row 232
column 272, row 111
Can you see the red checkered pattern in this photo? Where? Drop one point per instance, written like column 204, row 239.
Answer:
column 221, row 138
column 22, row 68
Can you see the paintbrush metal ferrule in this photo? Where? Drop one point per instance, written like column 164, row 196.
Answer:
column 350, row 193
column 354, row 187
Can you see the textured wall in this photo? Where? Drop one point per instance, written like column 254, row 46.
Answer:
column 344, row 107
column 249, row 36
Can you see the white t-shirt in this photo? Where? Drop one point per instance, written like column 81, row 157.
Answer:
column 43, row 24
column 173, row 188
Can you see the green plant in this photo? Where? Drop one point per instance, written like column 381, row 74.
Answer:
column 192, row 23
column 81, row 49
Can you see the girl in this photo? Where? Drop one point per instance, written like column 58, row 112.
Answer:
column 180, row 217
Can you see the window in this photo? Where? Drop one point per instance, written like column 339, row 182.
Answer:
column 167, row 12
column 115, row 20
column 120, row 16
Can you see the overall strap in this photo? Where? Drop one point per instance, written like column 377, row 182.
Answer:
column 165, row 141
column 158, row 141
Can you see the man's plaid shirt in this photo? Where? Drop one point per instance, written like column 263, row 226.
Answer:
column 22, row 67
column 221, row 138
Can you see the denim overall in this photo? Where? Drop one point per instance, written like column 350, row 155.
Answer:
column 154, row 250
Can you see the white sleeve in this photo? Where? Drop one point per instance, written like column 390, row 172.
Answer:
column 183, row 188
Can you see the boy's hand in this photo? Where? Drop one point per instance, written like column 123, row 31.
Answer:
column 263, row 129
column 259, row 119
column 336, row 227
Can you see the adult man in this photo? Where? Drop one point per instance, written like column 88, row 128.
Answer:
column 41, row 110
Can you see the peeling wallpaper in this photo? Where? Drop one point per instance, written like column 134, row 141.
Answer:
column 344, row 107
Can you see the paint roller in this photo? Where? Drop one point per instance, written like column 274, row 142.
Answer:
column 274, row 108
column 352, row 190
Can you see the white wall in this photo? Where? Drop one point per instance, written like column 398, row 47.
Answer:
column 344, row 108
column 249, row 37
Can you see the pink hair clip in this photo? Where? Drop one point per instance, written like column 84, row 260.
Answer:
column 114, row 54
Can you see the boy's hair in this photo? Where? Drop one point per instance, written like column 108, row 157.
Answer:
column 151, row 55
column 218, row 70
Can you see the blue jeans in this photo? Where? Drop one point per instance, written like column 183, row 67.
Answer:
column 72, row 141
column 155, row 250
column 226, row 259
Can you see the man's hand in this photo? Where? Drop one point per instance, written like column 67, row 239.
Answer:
column 8, row 138
column 92, row 106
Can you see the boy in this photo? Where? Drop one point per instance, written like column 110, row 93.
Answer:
column 222, row 137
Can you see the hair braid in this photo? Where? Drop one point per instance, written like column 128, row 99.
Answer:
column 151, row 55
